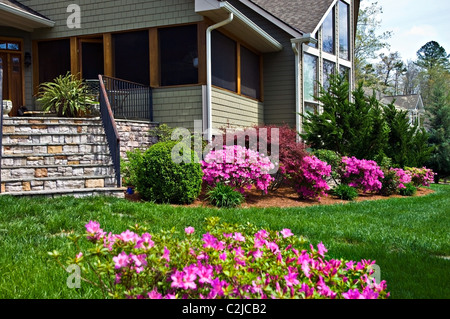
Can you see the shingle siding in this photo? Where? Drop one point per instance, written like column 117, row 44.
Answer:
column 178, row 107
column 111, row 16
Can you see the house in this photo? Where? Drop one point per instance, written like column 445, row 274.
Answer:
column 226, row 63
column 412, row 104
column 233, row 63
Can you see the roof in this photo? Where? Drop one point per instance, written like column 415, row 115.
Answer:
column 406, row 102
column 16, row 15
column 21, row 7
column 302, row 15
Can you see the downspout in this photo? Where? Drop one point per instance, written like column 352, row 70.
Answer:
column 209, row 72
column 306, row 38
column 297, row 90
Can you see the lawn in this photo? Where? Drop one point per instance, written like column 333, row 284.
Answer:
column 408, row 237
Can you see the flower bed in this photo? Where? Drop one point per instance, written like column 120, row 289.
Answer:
column 228, row 261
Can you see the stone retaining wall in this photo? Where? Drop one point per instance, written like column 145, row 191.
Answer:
column 135, row 134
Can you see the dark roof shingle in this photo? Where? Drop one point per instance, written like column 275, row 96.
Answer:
column 17, row 5
column 302, row 15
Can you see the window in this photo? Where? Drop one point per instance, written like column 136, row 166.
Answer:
column 310, row 76
column 11, row 46
column 54, row 59
column 224, row 61
column 311, row 107
column 131, row 56
column 178, row 55
column 344, row 71
column 328, row 33
column 344, row 52
column 329, row 68
column 250, row 73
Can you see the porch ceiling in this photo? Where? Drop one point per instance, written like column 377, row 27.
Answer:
column 21, row 17
column 241, row 26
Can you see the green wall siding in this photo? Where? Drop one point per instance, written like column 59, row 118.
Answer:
column 178, row 107
column 111, row 16
column 229, row 109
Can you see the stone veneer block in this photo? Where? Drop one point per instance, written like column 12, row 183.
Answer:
column 26, row 186
column 8, row 129
column 3, row 188
column 54, row 149
column 40, row 172
column 94, row 183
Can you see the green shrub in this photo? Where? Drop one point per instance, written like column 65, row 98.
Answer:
column 160, row 179
column 224, row 196
column 129, row 168
column 67, row 96
column 345, row 192
column 389, row 183
column 409, row 190
column 331, row 158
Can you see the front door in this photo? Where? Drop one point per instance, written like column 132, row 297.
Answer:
column 11, row 61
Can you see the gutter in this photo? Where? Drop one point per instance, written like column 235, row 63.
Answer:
column 297, row 47
column 209, row 71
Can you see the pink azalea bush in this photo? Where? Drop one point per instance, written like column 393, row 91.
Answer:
column 394, row 180
column 309, row 180
column 228, row 261
column 362, row 174
column 420, row 176
column 402, row 177
column 237, row 166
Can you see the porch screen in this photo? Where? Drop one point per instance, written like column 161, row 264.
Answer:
column 178, row 55
column 224, row 61
column 250, row 73
column 132, row 56
column 54, row 59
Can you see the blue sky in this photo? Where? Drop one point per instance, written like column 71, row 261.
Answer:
column 414, row 23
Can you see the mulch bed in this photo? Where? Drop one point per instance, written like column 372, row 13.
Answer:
column 287, row 197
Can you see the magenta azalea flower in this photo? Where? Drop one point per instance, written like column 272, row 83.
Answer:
column 189, row 230
column 122, row 260
column 286, row 233
column 166, row 254
column 321, row 249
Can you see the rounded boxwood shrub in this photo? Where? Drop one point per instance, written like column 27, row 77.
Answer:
column 161, row 180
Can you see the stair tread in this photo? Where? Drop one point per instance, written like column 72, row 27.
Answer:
column 57, row 166
column 63, row 178
column 49, row 155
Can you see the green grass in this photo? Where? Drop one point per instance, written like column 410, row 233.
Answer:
column 406, row 237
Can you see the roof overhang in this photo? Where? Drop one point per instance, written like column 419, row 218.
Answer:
column 241, row 26
column 13, row 17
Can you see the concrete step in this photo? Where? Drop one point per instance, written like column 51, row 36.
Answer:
column 85, row 192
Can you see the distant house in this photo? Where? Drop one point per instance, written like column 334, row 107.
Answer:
column 265, row 56
column 412, row 104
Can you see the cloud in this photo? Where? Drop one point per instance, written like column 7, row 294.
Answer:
column 422, row 31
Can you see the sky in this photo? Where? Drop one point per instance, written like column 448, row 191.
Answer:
column 414, row 23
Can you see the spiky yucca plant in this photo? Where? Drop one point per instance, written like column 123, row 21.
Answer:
column 67, row 96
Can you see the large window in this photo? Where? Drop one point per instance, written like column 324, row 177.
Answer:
column 224, row 61
column 250, row 73
column 344, row 52
column 131, row 56
column 328, row 40
column 54, row 59
column 178, row 55
column 310, row 76
column 329, row 68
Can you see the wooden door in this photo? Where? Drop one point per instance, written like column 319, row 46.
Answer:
column 11, row 59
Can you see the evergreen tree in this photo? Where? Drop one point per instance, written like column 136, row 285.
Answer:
column 439, row 122
column 350, row 128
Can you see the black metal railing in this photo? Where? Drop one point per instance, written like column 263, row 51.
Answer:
column 128, row 100
column 1, row 120
column 109, row 124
